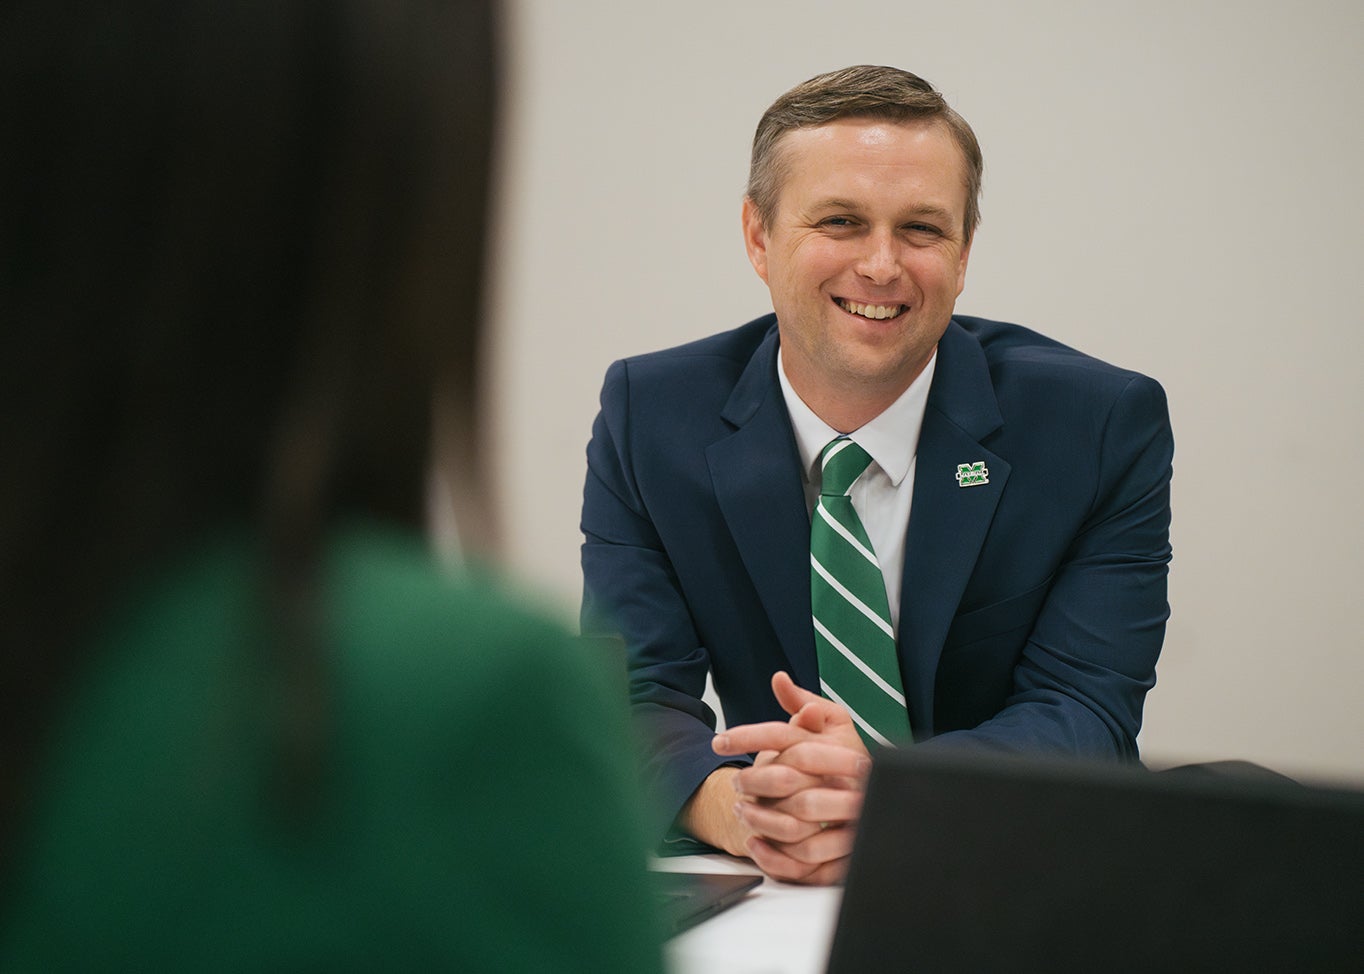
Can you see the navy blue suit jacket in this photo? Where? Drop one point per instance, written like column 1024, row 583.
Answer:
column 1033, row 607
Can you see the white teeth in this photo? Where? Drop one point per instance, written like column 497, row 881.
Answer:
column 876, row 311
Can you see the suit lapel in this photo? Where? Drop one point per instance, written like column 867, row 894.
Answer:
column 948, row 522
column 757, row 479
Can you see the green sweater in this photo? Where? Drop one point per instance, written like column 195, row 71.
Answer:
column 479, row 812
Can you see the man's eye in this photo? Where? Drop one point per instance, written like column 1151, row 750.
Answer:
column 836, row 221
column 923, row 228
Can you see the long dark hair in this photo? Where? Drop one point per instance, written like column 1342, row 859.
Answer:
column 240, row 252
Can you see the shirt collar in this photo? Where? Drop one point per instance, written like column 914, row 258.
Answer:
column 891, row 438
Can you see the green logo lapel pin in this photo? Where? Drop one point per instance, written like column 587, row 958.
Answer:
column 972, row 474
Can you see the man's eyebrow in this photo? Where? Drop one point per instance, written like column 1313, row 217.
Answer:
column 835, row 204
column 931, row 210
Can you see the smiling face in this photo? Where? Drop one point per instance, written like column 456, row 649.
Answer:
column 864, row 255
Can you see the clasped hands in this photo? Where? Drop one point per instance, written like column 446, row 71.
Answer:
column 795, row 810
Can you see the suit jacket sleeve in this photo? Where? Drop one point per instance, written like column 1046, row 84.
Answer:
column 1089, row 658
column 632, row 587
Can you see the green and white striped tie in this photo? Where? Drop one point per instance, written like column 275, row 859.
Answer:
column 858, row 667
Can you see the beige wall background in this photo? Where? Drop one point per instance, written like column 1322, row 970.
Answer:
column 1174, row 186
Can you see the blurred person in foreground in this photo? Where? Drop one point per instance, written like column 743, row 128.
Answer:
column 249, row 722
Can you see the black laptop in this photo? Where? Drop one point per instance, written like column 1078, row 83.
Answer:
column 685, row 899
column 975, row 863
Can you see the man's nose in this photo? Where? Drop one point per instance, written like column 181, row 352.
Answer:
column 879, row 263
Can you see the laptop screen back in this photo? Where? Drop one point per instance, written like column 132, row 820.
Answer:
column 975, row 863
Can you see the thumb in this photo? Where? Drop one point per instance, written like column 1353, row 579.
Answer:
column 791, row 697
column 810, row 717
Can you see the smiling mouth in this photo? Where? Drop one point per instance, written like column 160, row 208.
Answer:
column 876, row 312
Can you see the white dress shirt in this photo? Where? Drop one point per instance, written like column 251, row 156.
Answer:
column 882, row 495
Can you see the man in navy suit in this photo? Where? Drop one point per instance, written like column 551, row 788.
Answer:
column 1017, row 497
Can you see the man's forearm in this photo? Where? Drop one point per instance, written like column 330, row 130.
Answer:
column 709, row 814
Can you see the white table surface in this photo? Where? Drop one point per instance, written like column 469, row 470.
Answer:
column 778, row 929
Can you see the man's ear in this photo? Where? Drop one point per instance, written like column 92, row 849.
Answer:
column 755, row 237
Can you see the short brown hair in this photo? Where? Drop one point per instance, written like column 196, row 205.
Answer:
column 861, row 91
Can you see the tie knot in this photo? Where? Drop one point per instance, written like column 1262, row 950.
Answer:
column 842, row 462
